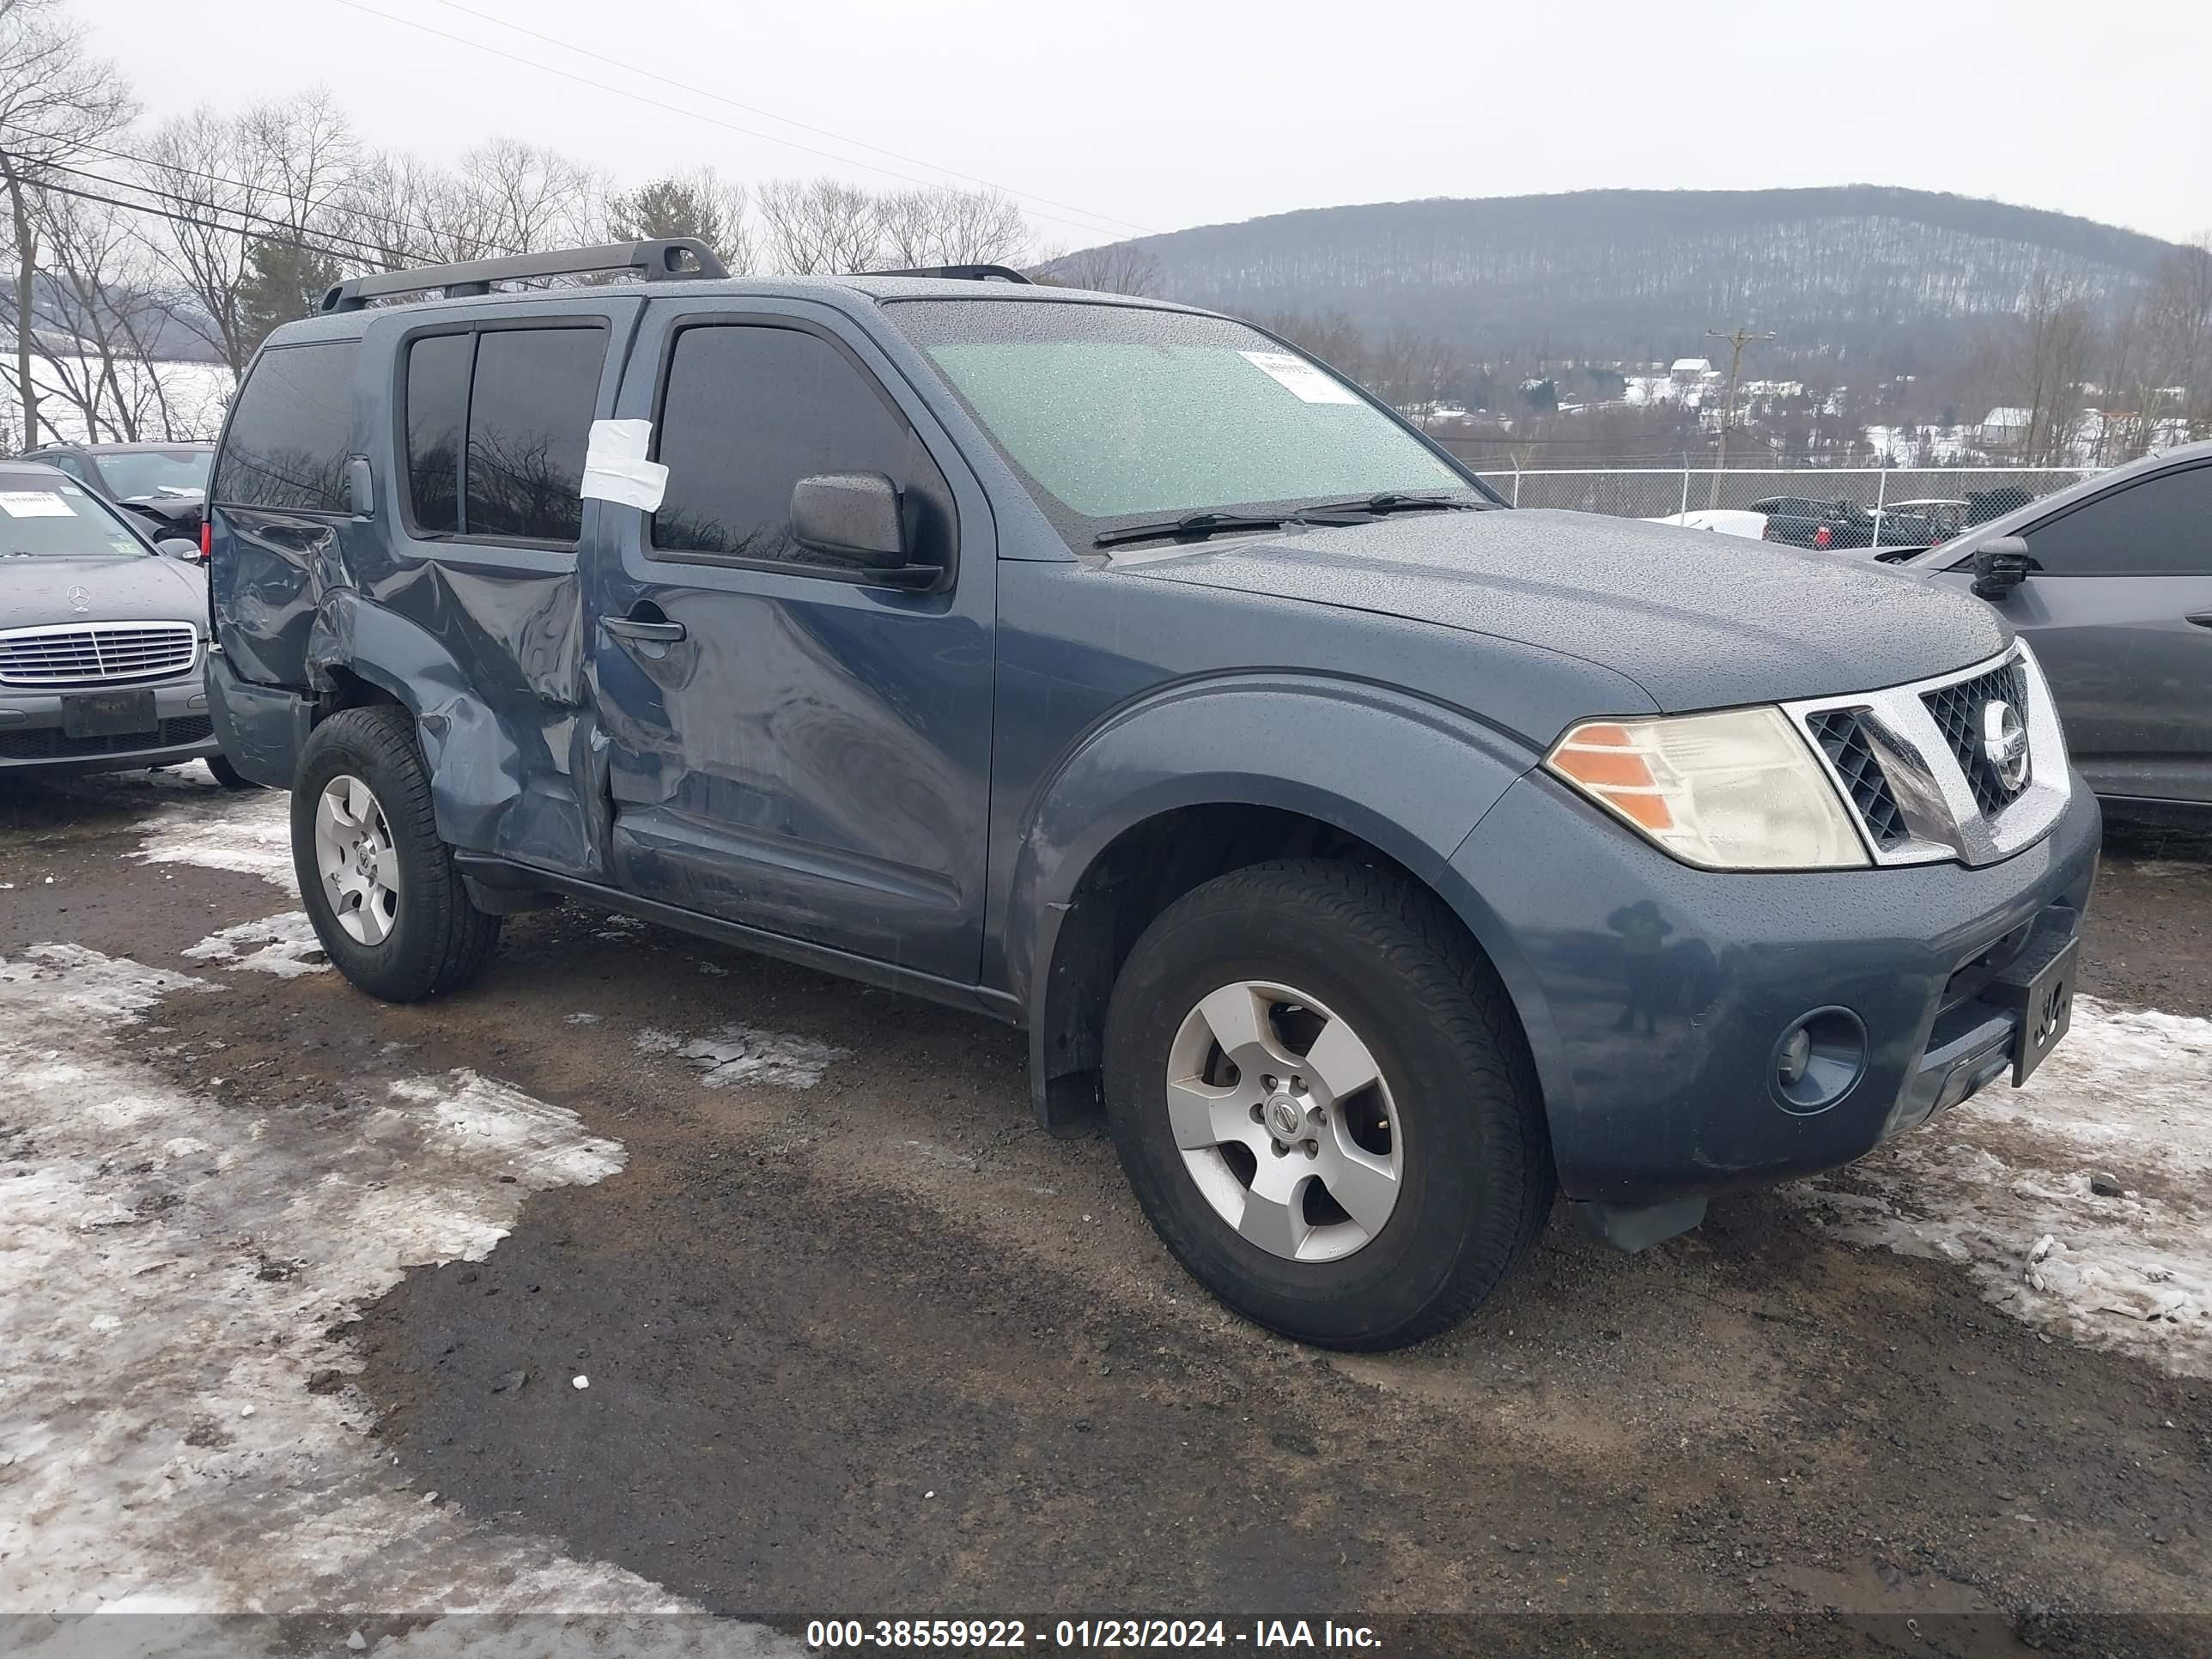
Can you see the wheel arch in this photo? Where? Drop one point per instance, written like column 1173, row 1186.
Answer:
column 1216, row 778
column 360, row 652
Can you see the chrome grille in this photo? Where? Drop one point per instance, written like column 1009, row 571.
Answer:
column 1958, row 711
column 1913, row 762
column 97, row 654
column 1844, row 743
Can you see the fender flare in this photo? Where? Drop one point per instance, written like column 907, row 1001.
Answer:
column 1409, row 776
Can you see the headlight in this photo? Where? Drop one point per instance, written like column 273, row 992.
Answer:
column 1741, row 790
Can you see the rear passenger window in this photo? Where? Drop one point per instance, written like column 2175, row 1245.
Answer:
column 290, row 431
column 437, row 413
column 497, row 423
column 2160, row 527
column 529, row 418
column 747, row 411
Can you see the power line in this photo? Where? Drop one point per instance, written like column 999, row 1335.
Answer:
column 696, row 115
column 204, row 224
column 224, row 179
column 754, row 109
column 368, row 249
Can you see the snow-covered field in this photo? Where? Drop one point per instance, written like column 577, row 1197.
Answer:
column 167, row 401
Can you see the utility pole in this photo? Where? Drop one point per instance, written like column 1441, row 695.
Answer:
column 1737, row 342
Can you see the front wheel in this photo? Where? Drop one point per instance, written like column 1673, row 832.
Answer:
column 1325, row 1104
column 379, row 883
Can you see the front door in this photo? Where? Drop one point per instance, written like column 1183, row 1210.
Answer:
column 2119, row 610
column 794, row 745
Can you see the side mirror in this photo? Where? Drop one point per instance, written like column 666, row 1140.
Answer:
column 852, row 515
column 361, row 488
column 178, row 547
column 2001, row 564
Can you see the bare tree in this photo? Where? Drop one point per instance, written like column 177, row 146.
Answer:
column 103, row 290
column 2042, row 357
column 512, row 198
column 1119, row 268
column 2177, row 325
column 941, row 226
column 815, row 227
column 56, row 99
column 207, row 175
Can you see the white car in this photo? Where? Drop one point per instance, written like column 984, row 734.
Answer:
column 1728, row 520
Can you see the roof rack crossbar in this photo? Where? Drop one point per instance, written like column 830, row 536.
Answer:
column 963, row 273
column 666, row 259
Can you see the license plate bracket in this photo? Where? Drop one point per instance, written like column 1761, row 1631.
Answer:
column 2039, row 984
column 110, row 714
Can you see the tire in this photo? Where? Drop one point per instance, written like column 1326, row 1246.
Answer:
column 1455, row 1110
column 228, row 776
column 429, row 940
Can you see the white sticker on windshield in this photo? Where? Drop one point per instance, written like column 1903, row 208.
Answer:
column 1310, row 382
column 615, row 467
column 35, row 504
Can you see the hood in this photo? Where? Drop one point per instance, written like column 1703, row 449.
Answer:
column 1699, row 621
column 140, row 587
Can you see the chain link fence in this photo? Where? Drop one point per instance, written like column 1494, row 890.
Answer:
column 1662, row 492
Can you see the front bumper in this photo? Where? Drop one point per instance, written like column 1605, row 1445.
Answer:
column 32, row 738
column 1655, row 995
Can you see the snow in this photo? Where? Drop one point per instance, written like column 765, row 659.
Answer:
column 170, row 1268
column 288, row 946
column 743, row 1054
column 2002, row 1186
column 247, row 833
column 171, row 402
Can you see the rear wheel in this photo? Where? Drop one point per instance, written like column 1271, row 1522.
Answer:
column 379, row 884
column 1325, row 1103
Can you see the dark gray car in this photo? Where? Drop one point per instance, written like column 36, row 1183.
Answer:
column 101, row 636
column 1379, row 859
column 2116, row 592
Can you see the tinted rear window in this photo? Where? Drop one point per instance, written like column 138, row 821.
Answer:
column 437, row 408
column 529, row 418
column 291, row 430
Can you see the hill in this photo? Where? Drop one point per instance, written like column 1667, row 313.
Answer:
column 1888, row 278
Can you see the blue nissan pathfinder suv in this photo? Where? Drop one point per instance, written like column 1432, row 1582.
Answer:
column 1380, row 862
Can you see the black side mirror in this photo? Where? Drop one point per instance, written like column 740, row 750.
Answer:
column 177, row 547
column 2001, row 564
column 852, row 515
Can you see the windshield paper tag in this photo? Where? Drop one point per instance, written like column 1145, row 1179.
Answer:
column 1302, row 377
column 615, row 467
column 35, row 504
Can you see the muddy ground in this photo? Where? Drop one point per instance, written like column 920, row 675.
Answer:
column 878, row 1346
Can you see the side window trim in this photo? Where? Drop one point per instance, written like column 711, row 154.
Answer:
column 684, row 323
column 477, row 327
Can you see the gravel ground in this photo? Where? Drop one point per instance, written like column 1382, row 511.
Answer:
column 655, row 1279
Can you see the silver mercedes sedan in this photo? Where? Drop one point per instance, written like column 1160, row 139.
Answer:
column 103, row 635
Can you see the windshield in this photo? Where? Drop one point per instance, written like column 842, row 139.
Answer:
column 45, row 516
column 1120, row 413
column 135, row 474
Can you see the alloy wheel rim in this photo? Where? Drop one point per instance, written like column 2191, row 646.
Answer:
column 1284, row 1121
column 355, row 858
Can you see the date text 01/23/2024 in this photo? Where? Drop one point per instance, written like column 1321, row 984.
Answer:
column 830, row 1635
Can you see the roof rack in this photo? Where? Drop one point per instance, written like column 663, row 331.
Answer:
column 666, row 259
column 963, row 273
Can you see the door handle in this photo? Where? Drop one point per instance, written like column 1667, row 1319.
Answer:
column 628, row 628
column 2203, row 619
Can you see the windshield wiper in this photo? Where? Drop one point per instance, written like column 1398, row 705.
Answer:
column 1198, row 526
column 1392, row 501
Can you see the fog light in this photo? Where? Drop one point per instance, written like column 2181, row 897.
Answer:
column 1819, row 1061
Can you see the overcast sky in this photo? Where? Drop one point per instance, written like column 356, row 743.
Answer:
column 1144, row 115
